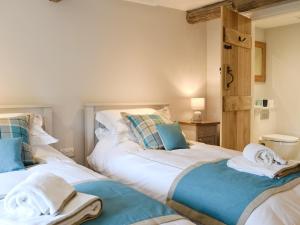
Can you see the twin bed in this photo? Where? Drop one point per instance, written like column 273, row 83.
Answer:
column 194, row 181
column 121, row 204
column 157, row 173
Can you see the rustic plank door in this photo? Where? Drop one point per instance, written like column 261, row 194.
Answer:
column 236, row 80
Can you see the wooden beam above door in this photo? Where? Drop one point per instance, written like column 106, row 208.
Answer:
column 208, row 12
column 213, row 11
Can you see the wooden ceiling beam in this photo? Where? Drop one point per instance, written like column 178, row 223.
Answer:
column 213, row 11
column 247, row 5
column 206, row 13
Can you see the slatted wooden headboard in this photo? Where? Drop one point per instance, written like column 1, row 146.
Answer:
column 90, row 123
column 44, row 110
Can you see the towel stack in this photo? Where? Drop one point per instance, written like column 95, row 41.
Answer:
column 263, row 161
column 44, row 198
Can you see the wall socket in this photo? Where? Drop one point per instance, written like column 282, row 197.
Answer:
column 68, row 151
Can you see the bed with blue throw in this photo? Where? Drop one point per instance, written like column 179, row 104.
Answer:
column 123, row 205
column 119, row 204
column 216, row 194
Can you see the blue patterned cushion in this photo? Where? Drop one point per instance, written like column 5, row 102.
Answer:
column 18, row 127
column 145, row 129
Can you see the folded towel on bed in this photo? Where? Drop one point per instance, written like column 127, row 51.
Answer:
column 81, row 208
column 242, row 164
column 39, row 194
column 263, row 155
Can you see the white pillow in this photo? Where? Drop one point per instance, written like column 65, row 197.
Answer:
column 113, row 120
column 101, row 133
column 40, row 137
column 37, row 135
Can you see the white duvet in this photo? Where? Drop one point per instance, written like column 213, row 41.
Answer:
column 153, row 172
column 59, row 165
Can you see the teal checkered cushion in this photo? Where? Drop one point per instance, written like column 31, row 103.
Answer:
column 18, row 127
column 144, row 128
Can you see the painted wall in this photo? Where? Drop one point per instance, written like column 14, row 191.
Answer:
column 282, row 85
column 213, row 64
column 75, row 51
column 262, row 91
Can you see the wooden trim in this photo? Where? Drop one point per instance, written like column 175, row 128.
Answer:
column 206, row 13
column 262, row 77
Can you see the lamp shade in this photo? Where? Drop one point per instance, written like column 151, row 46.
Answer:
column 198, row 103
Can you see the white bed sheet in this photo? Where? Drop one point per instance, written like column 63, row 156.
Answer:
column 153, row 172
column 60, row 165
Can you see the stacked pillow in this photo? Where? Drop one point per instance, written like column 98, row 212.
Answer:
column 18, row 133
column 113, row 126
column 144, row 129
column 18, row 127
column 146, row 126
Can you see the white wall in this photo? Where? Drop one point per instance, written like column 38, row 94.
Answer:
column 282, row 84
column 213, row 64
column 75, row 51
column 261, row 91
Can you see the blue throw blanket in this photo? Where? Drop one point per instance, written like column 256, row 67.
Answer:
column 123, row 205
column 220, row 194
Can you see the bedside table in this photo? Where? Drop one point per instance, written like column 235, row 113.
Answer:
column 203, row 131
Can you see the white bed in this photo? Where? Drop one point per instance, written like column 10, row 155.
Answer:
column 51, row 160
column 154, row 171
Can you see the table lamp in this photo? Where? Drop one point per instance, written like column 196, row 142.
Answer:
column 197, row 104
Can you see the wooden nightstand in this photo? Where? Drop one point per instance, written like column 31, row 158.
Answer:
column 204, row 131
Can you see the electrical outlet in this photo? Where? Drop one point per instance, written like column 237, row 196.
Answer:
column 68, row 151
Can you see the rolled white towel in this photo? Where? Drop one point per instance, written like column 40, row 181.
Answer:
column 263, row 155
column 241, row 164
column 40, row 194
column 81, row 208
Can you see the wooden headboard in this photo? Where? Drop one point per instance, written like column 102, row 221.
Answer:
column 44, row 110
column 90, row 122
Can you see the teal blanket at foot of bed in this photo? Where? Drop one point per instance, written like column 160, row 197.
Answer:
column 222, row 193
column 123, row 205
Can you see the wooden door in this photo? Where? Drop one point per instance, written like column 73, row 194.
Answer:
column 236, row 80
